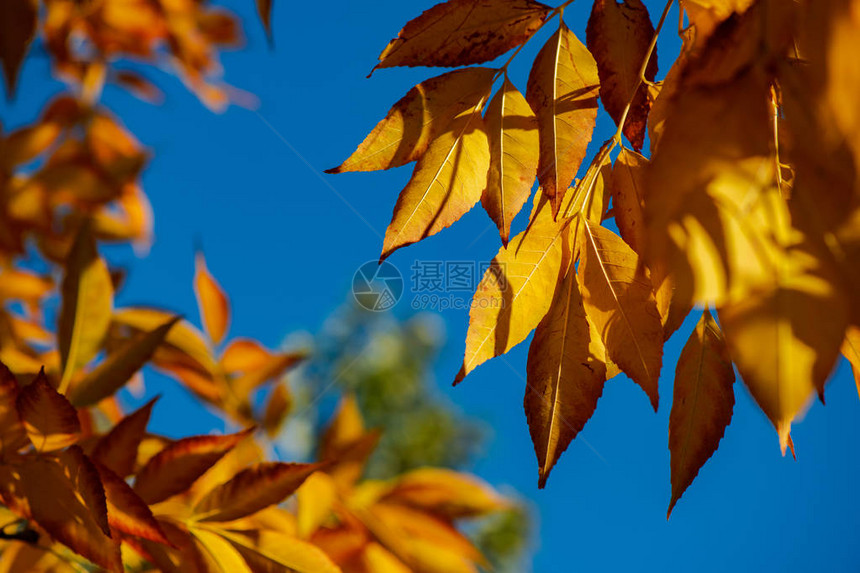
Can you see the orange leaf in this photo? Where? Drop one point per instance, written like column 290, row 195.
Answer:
column 702, row 405
column 619, row 36
column 177, row 466
column 51, row 421
column 274, row 368
column 464, row 32
column 420, row 116
column 117, row 450
column 126, row 512
column 211, row 300
column 64, row 496
column 562, row 90
column 253, row 489
column 445, row 493
column 244, row 354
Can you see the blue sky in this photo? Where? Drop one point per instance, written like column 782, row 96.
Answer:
column 284, row 239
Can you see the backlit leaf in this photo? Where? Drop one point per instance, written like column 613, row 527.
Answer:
column 126, row 512
column 253, row 489
column 218, row 553
column 314, row 502
column 117, row 450
column 513, row 138
column 244, row 355
column 445, row 493
column 177, row 466
column 211, row 301
column 618, row 298
column 50, row 420
column 87, row 305
column 702, row 405
column 566, row 372
column 463, row 32
column 619, row 36
column 562, row 90
column 420, row 116
column 274, row 552
column 851, row 351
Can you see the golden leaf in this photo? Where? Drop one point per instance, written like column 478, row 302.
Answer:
column 211, row 301
column 619, row 36
column 702, row 403
column 418, row 118
column 464, row 32
column 314, row 502
column 244, row 355
column 275, row 552
column 562, row 90
column 448, row 180
column 566, row 372
column 218, row 553
column 50, row 420
column 87, row 305
column 513, row 138
column 851, row 351
column 445, row 493
column 618, row 298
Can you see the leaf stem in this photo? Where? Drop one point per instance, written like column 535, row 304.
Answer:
column 641, row 79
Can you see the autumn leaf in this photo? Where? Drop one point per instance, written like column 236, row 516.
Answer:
column 253, row 489
column 211, row 300
column 117, row 450
column 217, row 552
column 277, row 409
column 87, row 305
column 18, row 22
column 177, row 466
column 618, row 298
column 786, row 339
column 562, row 90
column 419, row 117
column 275, row 552
column 126, row 512
column 619, row 36
column 448, row 180
column 264, row 11
column 702, row 404
column 445, row 493
column 566, row 372
column 244, row 355
column 118, row 367
column 851, row 351
column 13, row 436
column 274, row 367
column 513, row 138
column 315, row 499
column 516, row 291
column 64, row 496
column 463, row 32
column 50, row 420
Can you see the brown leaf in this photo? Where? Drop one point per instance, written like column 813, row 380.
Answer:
column 211, row 300
column 566, row 372
column 619, row 36
column 464, row 32
column 18, row 22
column 420, row 116
column 51, row 421
column 177, row 466
column 618, row 298
column 126, row 512
column 702, row 404
column 117, row 450
column 513, row 138
column 13, row 436
column 562, row 90
column 253, row 489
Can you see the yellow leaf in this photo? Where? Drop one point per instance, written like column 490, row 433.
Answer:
column 702, row 403
column 118, row 367
column 448, row 180
column 87, row 305
column 346, row 445
column 513, row 138
column 562, row 90
column 566, row 372
column 315, row 500
column 18, row 22
column 211, row 300
column 252, row 489
column 445, row 493
column 64, row 496
column 418, row 118
column 785, row 340
column 24, row 145
column 618, row 298
column 376, row 559
column 706, row 15
column 274, row 552
column 177, row 466
column 516, row 291
column 464, row 32
column 117, row 450
column 218, row 553
column 851, row 351
column 619, row 36
column 50, row 420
